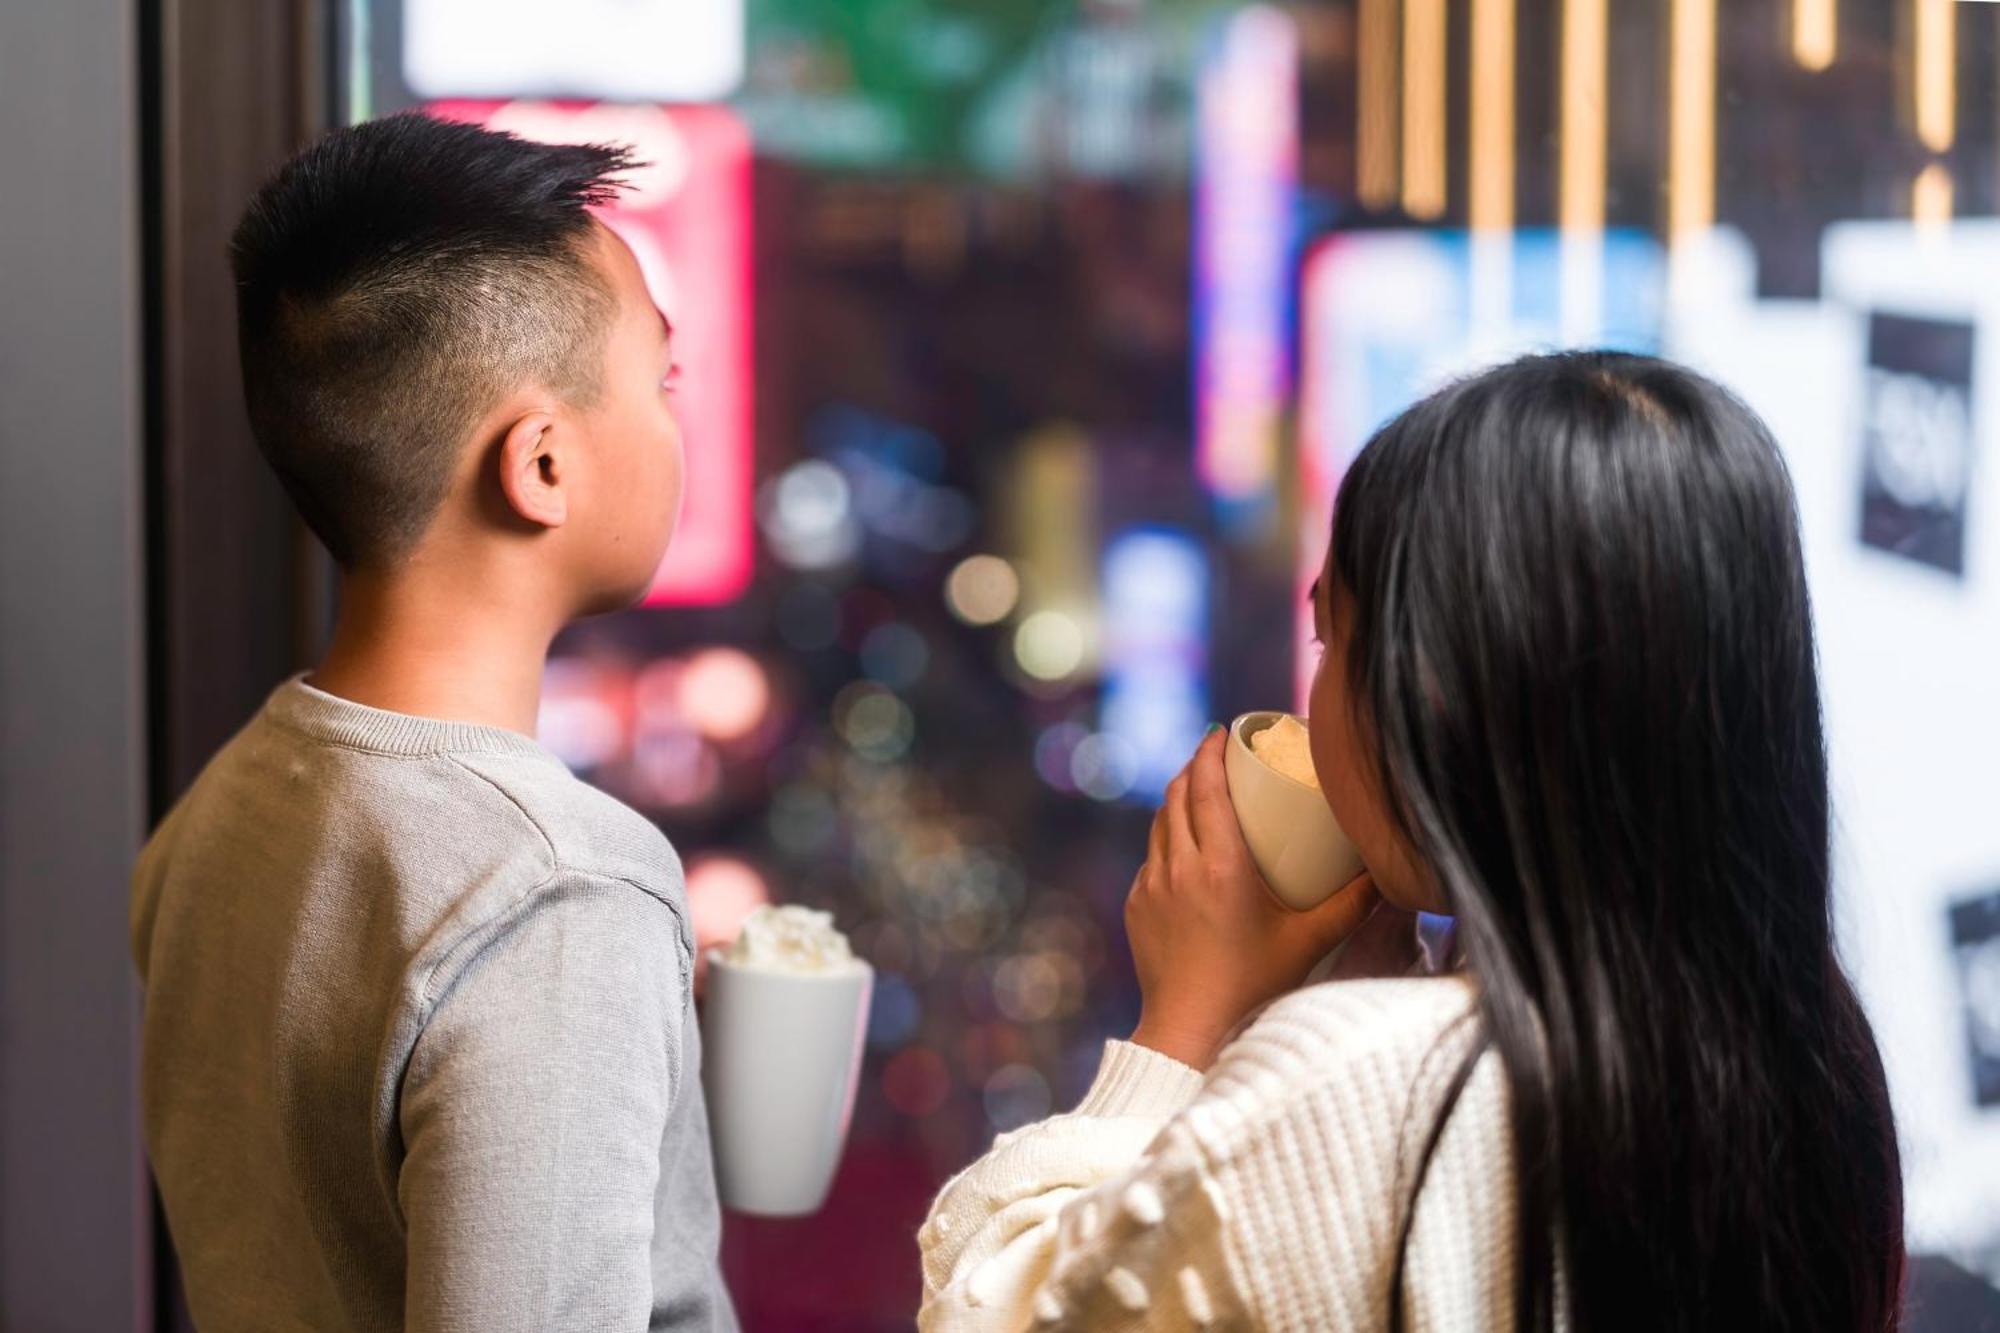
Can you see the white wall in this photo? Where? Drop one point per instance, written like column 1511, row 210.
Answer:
column 1910, row 666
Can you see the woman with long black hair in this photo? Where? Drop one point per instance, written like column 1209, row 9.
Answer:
column 1569, row 698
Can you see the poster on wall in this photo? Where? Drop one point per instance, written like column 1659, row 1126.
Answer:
column 1917, row 442
column 1975, row 944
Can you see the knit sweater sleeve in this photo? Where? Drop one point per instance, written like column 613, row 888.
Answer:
column 1269, row 1195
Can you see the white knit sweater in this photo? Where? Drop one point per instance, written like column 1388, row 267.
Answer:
column 1268, row 1195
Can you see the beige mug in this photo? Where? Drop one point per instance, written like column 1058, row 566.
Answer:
column 1293, row 837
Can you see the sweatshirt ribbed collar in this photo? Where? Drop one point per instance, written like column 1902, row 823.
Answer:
column 337, row 721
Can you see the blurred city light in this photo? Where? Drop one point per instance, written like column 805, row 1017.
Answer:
column 1691, row 118
column 916, row 1082
column 688, row 221
column 982, row 590
column 672, row 768
column 803, row 819
column 1935, row 77
column 1247, row 118
column 627, row 50
column 1051, row 510
column 1049, row 645
column 583, row 715
column 895, row 654
column 1815, row 33
column 1055, row 754
column 872, row 720
column 1155, row 702
column 1016, row 1095
column 1931, row 198
column 1104, row 767
column 1375, row 130
column 1425, row 134
column 894, row 1012
column 1584, row 129
column 724, row 693
column 1028, row 988
column 808, row 516
column 721, row 892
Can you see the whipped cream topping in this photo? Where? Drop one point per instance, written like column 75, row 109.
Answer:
column 791, row 939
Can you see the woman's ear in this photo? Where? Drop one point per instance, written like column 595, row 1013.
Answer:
column 531, row 471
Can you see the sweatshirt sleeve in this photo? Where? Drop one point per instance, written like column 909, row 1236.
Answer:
column 992, row 1235
column 532, row 1113
column 1270, row 1198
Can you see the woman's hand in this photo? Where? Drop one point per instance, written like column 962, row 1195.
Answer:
column 1210, row 941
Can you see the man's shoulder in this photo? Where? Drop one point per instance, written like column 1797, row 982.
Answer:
column 602, row 867
column 587, row 831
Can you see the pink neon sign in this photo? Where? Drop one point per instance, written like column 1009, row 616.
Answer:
column 687, row 219
column 1246, row 128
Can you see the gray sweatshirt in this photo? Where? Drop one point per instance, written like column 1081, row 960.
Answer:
column 419, row 1045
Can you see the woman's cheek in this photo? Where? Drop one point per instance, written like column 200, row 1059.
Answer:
column 1344, row 777
column 1326, row 727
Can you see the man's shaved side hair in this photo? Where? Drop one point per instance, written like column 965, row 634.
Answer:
column 394, row 282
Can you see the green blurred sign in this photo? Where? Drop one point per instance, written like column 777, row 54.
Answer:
column 992, row 87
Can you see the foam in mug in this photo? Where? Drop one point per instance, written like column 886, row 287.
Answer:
column 1286, row 746
column 791, row 939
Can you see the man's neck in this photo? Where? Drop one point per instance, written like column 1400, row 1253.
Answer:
column 421, row 647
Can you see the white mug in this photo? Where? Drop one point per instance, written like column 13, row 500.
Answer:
column 1291, row 832
column 781, row 1057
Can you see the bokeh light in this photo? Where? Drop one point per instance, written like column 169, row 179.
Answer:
column 808, row 516
column 893, row 1013
column 916, row 1081
column 874, row 721
column 674, row 768
column 1055, row 754
column 982, row 590
column 1016, row 1095
column 1028, row 989
column 895, row 654
column 1103, row 767
column 985, row 1046
column 1049, row 645
column 721, row 892
column 656, row 692
column 724, row 693
column 583, row 712
column 885, row 944
column 802, row 819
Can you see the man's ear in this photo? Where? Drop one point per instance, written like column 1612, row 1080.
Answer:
column 531, row 471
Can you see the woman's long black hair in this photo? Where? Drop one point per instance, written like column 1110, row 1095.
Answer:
column 1581, row 639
